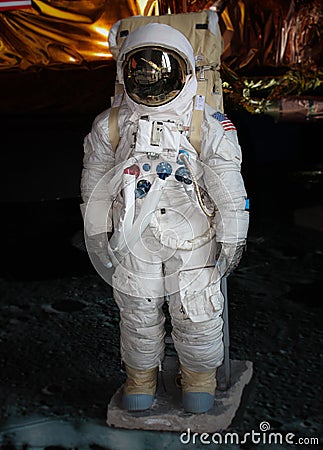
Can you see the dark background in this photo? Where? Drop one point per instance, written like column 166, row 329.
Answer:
column 44, row 117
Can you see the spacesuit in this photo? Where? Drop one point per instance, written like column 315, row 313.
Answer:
column 176, row 220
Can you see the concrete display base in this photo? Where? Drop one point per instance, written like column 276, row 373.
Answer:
column 167, row 413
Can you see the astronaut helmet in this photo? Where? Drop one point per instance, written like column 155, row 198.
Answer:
column 157, row 67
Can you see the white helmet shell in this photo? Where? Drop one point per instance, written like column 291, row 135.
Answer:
column 168, row 38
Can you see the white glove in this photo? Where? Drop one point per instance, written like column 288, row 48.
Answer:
column 228, row 256
column 98, row 244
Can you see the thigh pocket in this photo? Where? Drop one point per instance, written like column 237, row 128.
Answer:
column 137, row 284
column 200, row 294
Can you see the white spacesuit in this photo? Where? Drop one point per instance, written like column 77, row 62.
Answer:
column 178, row 218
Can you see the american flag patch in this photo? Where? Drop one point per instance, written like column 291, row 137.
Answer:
column 6, row 5
column 225, row 122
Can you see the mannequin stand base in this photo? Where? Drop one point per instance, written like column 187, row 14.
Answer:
column 167, row 413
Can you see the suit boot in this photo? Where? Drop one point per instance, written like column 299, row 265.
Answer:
column 139, row 389
column 198, row 389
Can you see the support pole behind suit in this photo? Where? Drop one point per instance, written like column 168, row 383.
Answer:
column 226, row 335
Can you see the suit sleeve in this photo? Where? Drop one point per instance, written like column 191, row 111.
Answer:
column 98, row 161
column 221, row 154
